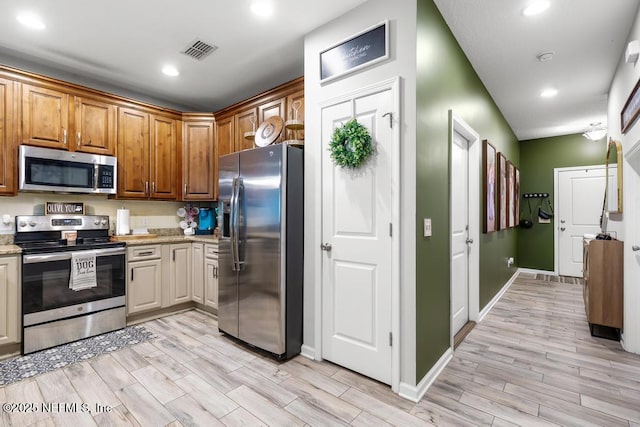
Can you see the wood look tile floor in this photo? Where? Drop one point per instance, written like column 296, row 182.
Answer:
column 530, row 362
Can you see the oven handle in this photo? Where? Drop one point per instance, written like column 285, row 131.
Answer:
column 62, row 256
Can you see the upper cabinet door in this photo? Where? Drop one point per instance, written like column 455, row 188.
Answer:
column 199, row 161
column 163, row 161
column 225, row 136
column 243, row 125
column 295, row 100
column 45, row 117
column 8, row 156
column 133, row 154
column 95, row 127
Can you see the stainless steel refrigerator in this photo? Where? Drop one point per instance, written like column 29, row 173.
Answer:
column 260, row 213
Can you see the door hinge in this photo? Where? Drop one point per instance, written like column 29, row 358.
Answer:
column 390, row 229
column 390, row 339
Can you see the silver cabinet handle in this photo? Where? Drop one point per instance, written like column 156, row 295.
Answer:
column 146, row 188
column 185, row 189
column 635, row 248
column 64, row 136
column 469, row 241
column 326, row 247
column 562, row 228
column 79, row 140
column 153, row 187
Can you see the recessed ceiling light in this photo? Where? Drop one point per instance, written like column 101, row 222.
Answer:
column 170, row 70
column 262, row 8
column 31, row 20
column 549, row 93
column 535, row 8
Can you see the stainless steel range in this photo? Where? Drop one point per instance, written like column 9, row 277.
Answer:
column 70, row 290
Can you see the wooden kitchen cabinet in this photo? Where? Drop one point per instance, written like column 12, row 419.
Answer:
column 45, row 117
column 144, row 278
column 242, row 125
column 199, row 177
column 94, row 126
column 55, row 119
column 211, row 275
column 296, row 97
column 603, row 283
column 146, row 155
column 179, row 285
column 8, row 147
column 9, row 300
column 197, row 272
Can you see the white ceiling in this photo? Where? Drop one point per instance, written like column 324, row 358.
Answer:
column 124, row 44
column 587, row 36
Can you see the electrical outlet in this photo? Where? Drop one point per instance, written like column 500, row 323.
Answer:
column 427, row 227
column 510, row 261
column 145, row 221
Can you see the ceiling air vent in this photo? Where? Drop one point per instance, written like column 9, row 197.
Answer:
column 199, row 49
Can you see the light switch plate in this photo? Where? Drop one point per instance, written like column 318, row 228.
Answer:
column 427, row 227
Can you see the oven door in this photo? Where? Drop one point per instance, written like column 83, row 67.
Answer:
column 47, row 296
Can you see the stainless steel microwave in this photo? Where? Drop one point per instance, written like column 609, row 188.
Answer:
column 46, row 169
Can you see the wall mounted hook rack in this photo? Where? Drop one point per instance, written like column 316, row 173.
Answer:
column 535, row 195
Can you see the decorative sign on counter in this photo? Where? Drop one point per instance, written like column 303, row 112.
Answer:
column 631, row 109
column 362, row 50
column 66, row 208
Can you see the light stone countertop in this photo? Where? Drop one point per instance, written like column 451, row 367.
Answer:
column 173, row 239
column 10, row 250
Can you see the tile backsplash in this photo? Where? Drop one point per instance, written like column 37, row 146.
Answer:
column 147, row 214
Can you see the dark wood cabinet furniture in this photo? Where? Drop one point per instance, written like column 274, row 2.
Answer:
column 198, row 158
column 603, row 284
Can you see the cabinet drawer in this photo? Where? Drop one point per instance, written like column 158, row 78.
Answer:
column 138, row 253
column 211, row 251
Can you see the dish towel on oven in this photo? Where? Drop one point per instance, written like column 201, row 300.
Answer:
column 83, row 270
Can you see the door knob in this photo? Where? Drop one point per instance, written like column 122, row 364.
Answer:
column 562, row 221
column 326, row 247
column 562, row 228
column 635, row 248
column 469, row 241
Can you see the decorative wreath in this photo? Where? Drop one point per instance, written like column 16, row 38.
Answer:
column 350, row 144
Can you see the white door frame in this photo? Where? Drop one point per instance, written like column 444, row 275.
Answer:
column 394, row 85
column 556, row 206
column 456, row 124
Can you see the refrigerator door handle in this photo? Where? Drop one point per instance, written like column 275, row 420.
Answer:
column 232, row 226
column 239, row 197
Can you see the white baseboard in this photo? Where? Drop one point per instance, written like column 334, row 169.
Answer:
column 487, row 308
column 534, row 271
column 415, row 393
column 308, row 352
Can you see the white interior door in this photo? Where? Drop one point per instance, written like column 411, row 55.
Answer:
column 459, row 231
column 580, row 198
column 356, row 222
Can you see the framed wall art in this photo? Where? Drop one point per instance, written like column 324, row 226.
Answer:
column 517, row 194
column 502, row 192
column 358, row 51
column 489, row 187
column 631, row 109
column 511, row 191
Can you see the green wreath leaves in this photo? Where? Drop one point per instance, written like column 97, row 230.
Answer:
column 350, row 144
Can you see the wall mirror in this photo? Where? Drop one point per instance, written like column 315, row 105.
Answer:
column 613, row 192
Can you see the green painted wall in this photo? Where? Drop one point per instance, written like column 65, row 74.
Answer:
column 538, row 158
column 446, row 81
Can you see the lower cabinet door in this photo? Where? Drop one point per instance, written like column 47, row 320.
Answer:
column 144, row 286
column 9, row 310
column 211, row 283
column 180, row 273
column 197, row 271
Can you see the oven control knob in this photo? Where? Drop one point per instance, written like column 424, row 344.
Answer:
column 96, row 221
column 22, row 224
column 103, row 221
column 32, row 223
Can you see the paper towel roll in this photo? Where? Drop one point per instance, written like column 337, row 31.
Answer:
column 122, row 222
